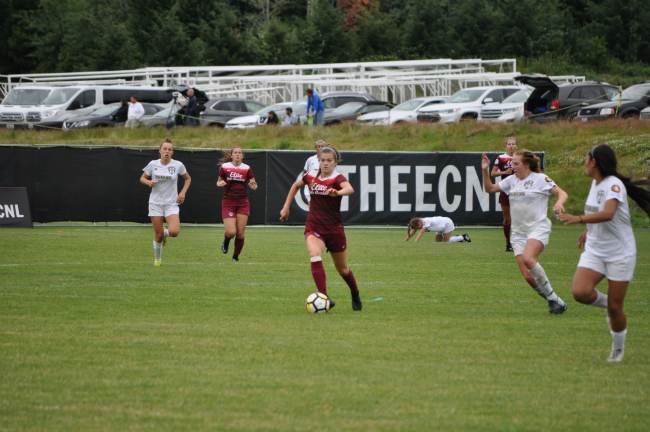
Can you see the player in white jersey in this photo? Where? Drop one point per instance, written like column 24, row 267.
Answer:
column 442, row 226
column 161, row 176
column 528, row 191
column 610, row 249
column 312, row 164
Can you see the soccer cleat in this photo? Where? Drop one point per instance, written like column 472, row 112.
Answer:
column 615, row 356
column 224, row 247
column 332, row 304
column 509, row 247
column 609, row 319
column 157, row 263
column 465, row 238
column 557, row 307
column 356, row 302
column 235, row 258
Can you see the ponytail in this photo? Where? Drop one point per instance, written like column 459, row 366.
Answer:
column 227, row 155
column 167, row 141
column 328, row 148
column 528, row 157
column 606, row 164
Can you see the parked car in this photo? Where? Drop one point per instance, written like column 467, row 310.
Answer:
column 404, row 112
column 331, row 101
column 219, row 111
column 352, row 110
column 510, row 110
column 645, row 114
column 257, row 119
column 465, row 104
column 634, row 99
column 551, row 102
column 105, row 117
column 19, row 105
column 165, row 118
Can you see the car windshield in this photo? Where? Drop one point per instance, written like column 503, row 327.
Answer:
column 300, row 104
column 375, row 108
column 165, row 112
column 632, row 93
column 409, row 105
column 465, row 96
column 520, row 96
column 26, row 96
column 60, row 96
column 268, row 109
column 349, row 108
column 105, row 111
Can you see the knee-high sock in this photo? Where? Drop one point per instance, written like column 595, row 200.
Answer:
column 506, row 232
column 543, row 284
column 352, row 282
column 239, row 245
column 456, row 239
column 226, row 239
column 601, row 300
column 157, row 250
column 318, row 272
column 618, row 340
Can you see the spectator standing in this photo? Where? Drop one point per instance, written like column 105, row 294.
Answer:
column 273, row 119
column 122, row 114
column 290, row 118
column 191, row 111
column 314, row 102
column 136, row 111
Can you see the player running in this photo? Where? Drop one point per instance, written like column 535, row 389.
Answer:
column 165, row 198
column 235, row 208
column 528, row 190
column 503, row 168
column 442, row 226
column 610, row 249
column 324, row 227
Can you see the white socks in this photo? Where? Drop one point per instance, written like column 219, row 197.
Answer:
column 157, row 250
column 543, row 285
column 601, row 300
column 456, row 239
column 618, row 340
column 166, row 234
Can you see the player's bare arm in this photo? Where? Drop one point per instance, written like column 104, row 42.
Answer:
column 346, row 189
column 252, row 184
column 562, row 198
column 186, row 186
column 284, row 213
column 221, row 182
column 497, row 173
column 602, row 216
column 487, row 182
column 145, row 180
column 420, row 234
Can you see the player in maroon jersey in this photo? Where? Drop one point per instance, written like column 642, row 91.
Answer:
column 503, row 168
column 235, row 208
column 324, row 227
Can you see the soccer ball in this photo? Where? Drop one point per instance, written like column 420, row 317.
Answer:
column 318, row 303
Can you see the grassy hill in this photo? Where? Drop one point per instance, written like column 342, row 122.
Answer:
column 566, row 144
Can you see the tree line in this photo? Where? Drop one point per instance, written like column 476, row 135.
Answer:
column 87, row 35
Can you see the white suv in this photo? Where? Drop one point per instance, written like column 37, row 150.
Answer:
column 511, row 110
column 404, row 112
column 465, row 104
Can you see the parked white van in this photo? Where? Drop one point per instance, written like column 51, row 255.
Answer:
column 20, row 103
column 66, row 102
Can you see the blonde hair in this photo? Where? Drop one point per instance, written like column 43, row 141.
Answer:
column 227, row 155
column 528, row 157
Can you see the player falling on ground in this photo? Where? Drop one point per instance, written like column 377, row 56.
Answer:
column 503, row 168
column 442, row 226
column 610, row 249
column 528, row 189
column 235, row 208
column 324, row 227
column 165, row 198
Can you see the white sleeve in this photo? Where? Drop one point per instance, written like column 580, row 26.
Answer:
column 506, row 184
column 497, row 160
column 148, row 170
column 546, row 184
column 140, row 111
column 307, row 169
column 181, row 169
column 615, row 191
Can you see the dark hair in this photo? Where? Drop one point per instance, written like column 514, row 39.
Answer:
column 309, row 91
column 328, row 148
column 274, row 119
column 134, row 97
column 413, row 224
column 289, row 109
column 528, row 157
column 606, row 164
column 227, row 155
column 124, row 102
column 167, row 141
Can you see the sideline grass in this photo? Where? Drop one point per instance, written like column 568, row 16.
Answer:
column 93, row 337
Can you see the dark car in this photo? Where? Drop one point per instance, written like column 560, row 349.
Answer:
column 551, row 102
column 105, row 116
column 179, row 93
column 352, row 110
column 634, row 99
column 331, row 101
column 219, row 111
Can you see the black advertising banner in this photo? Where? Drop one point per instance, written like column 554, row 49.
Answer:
column 391, row 188
column 14, row 208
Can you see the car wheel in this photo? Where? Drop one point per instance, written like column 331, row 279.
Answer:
column 469, row 117
column 630, row 115
column 571, row 116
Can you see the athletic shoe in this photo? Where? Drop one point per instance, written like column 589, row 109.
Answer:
column 157, row 263
column 465, row 238
column 332, row 304
column 609, row 319
column 615, row 356
column 224, row 246
column 235, row 258
column 356, row 301
column 557, row 307
column 509, row 248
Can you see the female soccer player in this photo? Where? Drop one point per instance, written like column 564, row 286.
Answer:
column 610, row 249
column 235, row 208
column 442, row 226
column 528, row 190
column 503, row 168
column 312, row 163
column 165, row 198
column 324, row 227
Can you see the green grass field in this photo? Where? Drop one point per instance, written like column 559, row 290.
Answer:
column 94, row 338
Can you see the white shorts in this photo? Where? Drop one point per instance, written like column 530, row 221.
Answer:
column 618, row 271
column 449, row 227
column 518, row 241
column 163, row 210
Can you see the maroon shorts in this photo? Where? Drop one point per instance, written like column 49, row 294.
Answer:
column 333, row 237
column 230, row 208
column 504, row 200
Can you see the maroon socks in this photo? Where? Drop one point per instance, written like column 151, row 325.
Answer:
column 239, row 245
column 506, row 232
column 352, row 282
column 318, row 272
